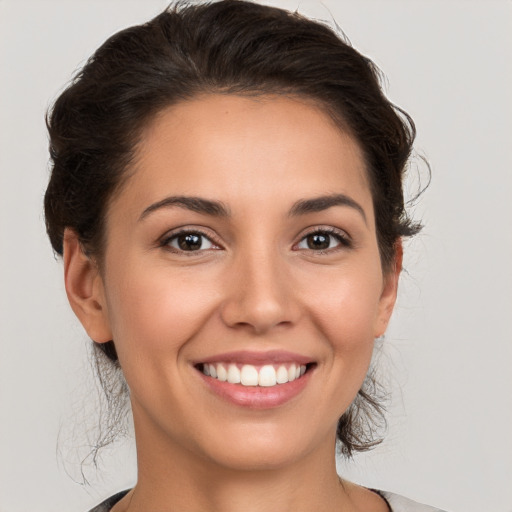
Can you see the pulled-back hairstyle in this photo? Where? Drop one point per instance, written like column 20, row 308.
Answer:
column 226, row 47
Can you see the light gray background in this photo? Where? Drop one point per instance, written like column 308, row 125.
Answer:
column 448, row 352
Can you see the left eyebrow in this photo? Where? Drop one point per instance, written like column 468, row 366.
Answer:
column 318, row 204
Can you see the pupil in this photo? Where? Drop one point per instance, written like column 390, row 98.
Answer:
column 318, row 241
column 189, row 242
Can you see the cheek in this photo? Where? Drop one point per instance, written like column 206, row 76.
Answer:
column 154, row 313
column 346, row 306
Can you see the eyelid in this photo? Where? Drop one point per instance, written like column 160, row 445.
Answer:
column 164, row 240
column 341, row 235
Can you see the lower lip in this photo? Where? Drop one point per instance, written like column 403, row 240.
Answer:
column 257, row 397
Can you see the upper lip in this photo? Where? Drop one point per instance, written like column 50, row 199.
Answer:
column 256, row 358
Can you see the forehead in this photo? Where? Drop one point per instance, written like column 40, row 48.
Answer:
column 236, row 149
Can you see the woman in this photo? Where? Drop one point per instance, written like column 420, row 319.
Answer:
column 226, row 194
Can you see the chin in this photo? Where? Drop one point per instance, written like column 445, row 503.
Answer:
column 264, row 448
column 250, row 457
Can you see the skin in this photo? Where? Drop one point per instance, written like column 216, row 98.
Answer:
column 254, row 285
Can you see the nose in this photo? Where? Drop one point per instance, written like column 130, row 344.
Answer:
column 260, row 294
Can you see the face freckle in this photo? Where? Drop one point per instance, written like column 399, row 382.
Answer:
column 246, row 232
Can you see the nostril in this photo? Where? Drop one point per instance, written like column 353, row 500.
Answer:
column 259, row 305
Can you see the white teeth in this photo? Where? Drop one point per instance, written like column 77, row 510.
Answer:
column 267, row 376
column 233, row 374
column 248, row 375
column 282, row 375
column 291, row 373
column 222, row 374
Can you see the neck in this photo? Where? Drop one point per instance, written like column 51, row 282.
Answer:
column 174, row 478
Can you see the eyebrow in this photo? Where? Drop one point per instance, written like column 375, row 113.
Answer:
column 322, row 203
column 218, row 209
column 195, row 204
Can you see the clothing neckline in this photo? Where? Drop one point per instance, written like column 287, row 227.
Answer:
column 107, row 505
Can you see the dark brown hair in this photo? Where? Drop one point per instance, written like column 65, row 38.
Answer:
column 226, row 47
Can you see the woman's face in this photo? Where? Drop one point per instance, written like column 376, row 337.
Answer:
column 243, row 245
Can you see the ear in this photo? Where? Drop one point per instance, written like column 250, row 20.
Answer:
column 389, row 291
column 84, row 288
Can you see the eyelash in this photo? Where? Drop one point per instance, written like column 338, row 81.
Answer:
column 166, row 241
column 341, row 237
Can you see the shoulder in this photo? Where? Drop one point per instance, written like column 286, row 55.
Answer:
column 399, row 503
column 106, row 505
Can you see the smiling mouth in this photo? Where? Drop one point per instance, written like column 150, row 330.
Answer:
column 266, row 375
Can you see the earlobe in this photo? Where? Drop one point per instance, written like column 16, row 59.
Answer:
column 389, row 291
column 84, row 288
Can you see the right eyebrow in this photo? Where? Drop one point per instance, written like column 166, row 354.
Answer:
column 195, row 204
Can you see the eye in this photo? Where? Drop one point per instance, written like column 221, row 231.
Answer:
column 188, row 241
column 323, row 240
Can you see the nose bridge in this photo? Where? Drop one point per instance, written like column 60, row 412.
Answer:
column 259, row 296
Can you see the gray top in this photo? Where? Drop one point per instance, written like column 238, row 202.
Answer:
column 396, row 503
column 399, row 503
